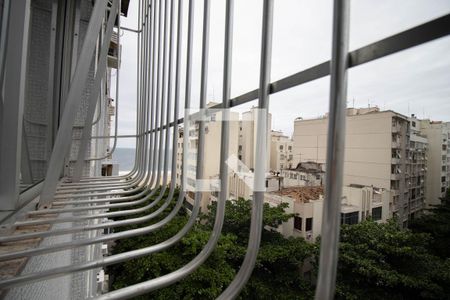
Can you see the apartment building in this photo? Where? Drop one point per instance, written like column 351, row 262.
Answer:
column 281, row 156
column 416, row 170
column 247, row 139
column 358, row 203
column 438, row 163
column 377, row 153
column 212, row 151
column 305, row 174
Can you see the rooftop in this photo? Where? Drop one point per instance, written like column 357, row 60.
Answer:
column 302, row 194
column 308, row 167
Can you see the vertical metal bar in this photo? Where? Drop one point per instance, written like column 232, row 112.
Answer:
column 64, row 135
column 51, row 79
column 335, row 153
column 3, row 37
column 76, row 36
column 168, row 95
column 95, row 93
column 11, row 127
column 25, row 164
column 248, row 264
column 155, row 91
column 161, row 95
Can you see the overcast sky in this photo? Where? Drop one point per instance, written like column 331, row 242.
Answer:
column 413, row 81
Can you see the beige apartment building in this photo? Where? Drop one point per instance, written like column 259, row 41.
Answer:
column 242, row 146
column 281, row 156
column 416, row 169
column 247, row 139
column 438, row 164
column 358, row 204
column 377, row 154
column 212, row 152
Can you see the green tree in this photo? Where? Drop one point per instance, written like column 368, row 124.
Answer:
column 277, row 273
column 378, row 261
column 436, row 222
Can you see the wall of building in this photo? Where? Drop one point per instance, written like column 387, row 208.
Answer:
column 438, row 164
column 281, row 155
column 247, row 139
column 372, row 136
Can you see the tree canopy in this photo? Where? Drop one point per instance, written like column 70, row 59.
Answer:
column 376, row 261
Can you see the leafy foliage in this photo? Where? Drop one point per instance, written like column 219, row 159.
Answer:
column 376, row 261
column 436, row 223
column 277, row 255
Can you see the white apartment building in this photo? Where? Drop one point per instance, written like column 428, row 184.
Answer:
column 377, row 153
column 358, row 204
column 438, row 164
column 281, row 156
column 305, row 174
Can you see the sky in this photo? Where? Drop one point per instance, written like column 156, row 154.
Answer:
column 414, row 81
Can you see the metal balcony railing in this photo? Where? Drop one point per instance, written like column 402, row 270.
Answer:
column 160, row 60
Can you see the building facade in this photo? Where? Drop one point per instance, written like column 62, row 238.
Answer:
column 247, row 139
column 281, row 156
column 438, row 162
column 378, row 153
column 358, row 203
column 305, row 174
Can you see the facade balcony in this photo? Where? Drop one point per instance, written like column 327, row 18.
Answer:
column 396, row 144
column 395, row 161
column 395, row 192
column 396, row 176
column 396, row 128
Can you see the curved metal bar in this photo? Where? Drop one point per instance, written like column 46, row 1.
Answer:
column 335, row 153
column 173, row 171
column 167, row 138
column 90, row 208
column 70, row 219
column 241, row 278
column 165, row 280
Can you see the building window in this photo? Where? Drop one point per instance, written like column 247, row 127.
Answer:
column 376, row 213
column 290, row 157
column 443, row 179
column 317, row 177
column 350, row 218
column 240, row 147
column 267, row 183
column 443, row 189
column 309, row 224
column 290, row 148
column 281, row 147
column 413, row 124
column 298, row 223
